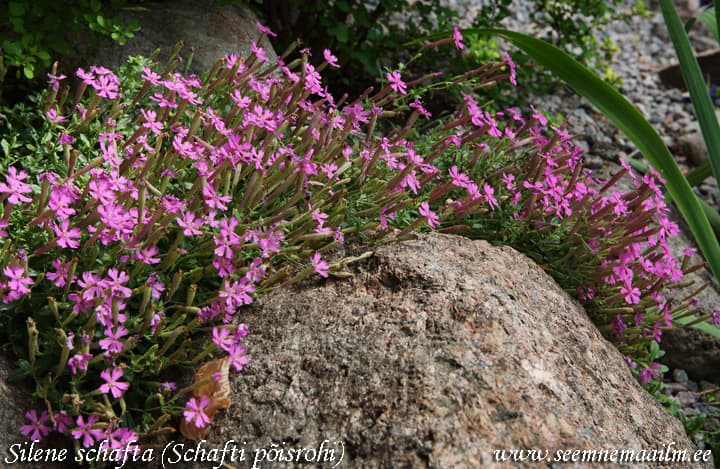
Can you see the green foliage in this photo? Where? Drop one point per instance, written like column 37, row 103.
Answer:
column 703, row 430
column 365, row 36
column 709, row 19
column 36, row 32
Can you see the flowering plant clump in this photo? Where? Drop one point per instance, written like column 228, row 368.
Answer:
column 167, row 203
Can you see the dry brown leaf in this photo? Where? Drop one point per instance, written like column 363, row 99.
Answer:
column 217, row 391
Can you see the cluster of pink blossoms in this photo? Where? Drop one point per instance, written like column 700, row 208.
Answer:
column 217, row 191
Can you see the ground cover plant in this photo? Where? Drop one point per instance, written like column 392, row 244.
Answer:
column 32, row 33
column 142, row 212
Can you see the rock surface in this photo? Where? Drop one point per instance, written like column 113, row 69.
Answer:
column 435, row 353
column 694, row 350
column 206, row 27
column 14, row 402
column 709, row 62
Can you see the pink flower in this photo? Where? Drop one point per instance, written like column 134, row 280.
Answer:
column 122, row 438
column 320, row 266
column 432, row 218
column 237, row 357
column 255, row 271
column 163, row 101
column 62, row 271
column 223, row 338
column 88, row 78
column 79, row 362
column 649, row 373
column 237, row 293
column 115, row 281
column 112, row 342
column 152, row 77
column 329, row 169
column 151, row 122
column 396, row 82
column 259, row 52
column 509, row 181
column 330, row 59
column 488, row 191
column 66, row 139
column 618, row 326
column 146, row 255
column 67, row 237
column 632, row 295
column 339, row 236
column 459, row 179
column 55, row 80
column 458, row 37
column 107, row 84
column 194, row 412
column 265, row 30
column 715, row 318
column 18, row 283
column 113, row 385
column 62, row 421
column 167, row 386
column 15, row 187
column 36, row 429
column 190, row 224
column 86, row 433
column 417, row 105
column 538, row 115
column 511, row 65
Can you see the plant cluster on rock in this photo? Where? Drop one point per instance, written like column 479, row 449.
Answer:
column 153, row 206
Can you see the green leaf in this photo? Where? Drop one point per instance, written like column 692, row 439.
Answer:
column 628, row 119
column 699, row 174
column 43, row 56
column 17, row 8
column 29, row 72
column 12, row 48
column 709, row 19
column 717, row 20
column 702, row 104
column 709, row 328
column 340, row 31
column 18, row 25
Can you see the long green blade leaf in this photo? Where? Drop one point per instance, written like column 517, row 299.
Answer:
column 702, row 104
column 699, row 174
column 709, row 19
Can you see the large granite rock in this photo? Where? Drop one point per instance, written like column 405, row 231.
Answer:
column 436, row 353
column 207, row 28
column 14, row 401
